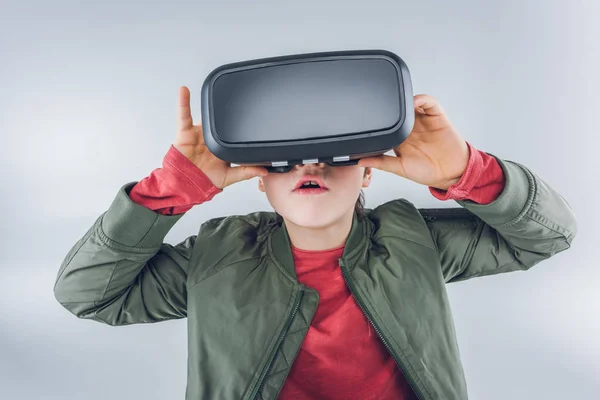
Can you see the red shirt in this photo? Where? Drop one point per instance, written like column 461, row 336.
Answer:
column 341, row 356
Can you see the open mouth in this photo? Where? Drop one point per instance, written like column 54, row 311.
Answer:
column 310, row 187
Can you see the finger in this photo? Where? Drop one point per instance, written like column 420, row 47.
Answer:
column 199, row 134
column 184, row 111
column 428, row 105
column 385, row 163
column 242, row 173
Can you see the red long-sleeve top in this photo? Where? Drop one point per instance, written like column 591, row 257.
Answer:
column 341, row 356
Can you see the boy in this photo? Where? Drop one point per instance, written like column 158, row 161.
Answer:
column 321, row 299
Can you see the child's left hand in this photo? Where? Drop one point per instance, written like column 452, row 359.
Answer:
column 434, row 154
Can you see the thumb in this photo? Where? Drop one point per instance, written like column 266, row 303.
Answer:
column 243, row 172
column 427, row 105
column 385, row 163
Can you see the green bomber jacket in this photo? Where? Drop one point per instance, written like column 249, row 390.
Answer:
column 246, row 312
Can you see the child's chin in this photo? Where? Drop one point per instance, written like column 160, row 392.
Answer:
column 313, row 218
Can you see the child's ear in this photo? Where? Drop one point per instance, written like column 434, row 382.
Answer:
column 261, row 185
column 367, row 177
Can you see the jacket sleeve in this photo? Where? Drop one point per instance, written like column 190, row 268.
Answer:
column 527, row 223
column 120, row 272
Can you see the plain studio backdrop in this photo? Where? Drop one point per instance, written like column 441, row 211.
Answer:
column 88, row 102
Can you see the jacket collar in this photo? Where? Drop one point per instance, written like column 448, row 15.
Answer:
column 281, row 251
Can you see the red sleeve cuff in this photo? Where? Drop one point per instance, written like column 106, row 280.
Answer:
column 176, row 187
column 482, row 181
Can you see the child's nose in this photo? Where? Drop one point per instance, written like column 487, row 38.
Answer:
column 309, row 166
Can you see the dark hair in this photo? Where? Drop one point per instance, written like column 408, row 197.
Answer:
column 359, row 207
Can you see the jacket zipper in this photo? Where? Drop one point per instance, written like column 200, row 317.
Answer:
column 399, row 362
column 265, row 372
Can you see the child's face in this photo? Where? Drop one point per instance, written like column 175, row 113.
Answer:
column 315, row 210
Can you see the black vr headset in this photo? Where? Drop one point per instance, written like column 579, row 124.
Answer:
column 329, row 107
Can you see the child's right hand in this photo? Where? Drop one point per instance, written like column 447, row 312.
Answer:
column 190, row 142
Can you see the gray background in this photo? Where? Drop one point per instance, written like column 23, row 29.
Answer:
column 88, row 102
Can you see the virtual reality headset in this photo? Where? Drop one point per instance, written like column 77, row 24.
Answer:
column 329, row 107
